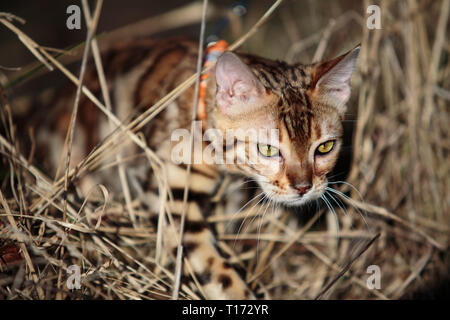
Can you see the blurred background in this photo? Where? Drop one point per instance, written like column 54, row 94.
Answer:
column 395, row 162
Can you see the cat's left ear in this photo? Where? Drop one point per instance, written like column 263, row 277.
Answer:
column 238, row 90
column 331, row 79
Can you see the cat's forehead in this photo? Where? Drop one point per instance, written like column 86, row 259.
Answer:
column 298, row 123
column 301, row 117
column 279, row 75
column 306, row 121
column 306, row 128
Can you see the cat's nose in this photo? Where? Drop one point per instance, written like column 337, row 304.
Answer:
column 302, row 188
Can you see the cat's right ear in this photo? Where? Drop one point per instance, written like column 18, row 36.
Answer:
column 238, row 89
column 331, row 79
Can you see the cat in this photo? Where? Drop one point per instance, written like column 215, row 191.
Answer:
column 305, row 104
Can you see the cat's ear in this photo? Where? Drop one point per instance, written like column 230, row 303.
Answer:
column 331, row 79
column 238, row 89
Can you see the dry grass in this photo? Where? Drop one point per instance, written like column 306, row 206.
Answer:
column 397, row 185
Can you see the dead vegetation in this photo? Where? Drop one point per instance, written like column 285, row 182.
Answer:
column 397, row 185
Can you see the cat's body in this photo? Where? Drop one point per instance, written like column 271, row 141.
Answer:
column 305, row 104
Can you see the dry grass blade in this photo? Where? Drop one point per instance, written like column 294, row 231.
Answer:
column 106, row 98
column 296, row 237
column 191, row 145
column 347, row 267
column 385, row 213
column 23, row 248
column 27, row 41
column 396, row 185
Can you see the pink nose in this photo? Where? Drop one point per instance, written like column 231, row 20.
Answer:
column 302, row 189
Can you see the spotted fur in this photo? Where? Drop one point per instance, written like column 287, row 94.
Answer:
column 306, row 103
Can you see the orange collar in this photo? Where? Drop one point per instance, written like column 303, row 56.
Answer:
column 212, row 52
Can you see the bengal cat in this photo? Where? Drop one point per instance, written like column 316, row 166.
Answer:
column 304, row 103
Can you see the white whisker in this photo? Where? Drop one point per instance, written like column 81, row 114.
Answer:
column 259, row 227
column 347, row 197
column 246, row 216
column 243, row 207
column 330, row 207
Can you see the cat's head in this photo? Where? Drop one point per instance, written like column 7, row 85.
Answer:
column 305, row 104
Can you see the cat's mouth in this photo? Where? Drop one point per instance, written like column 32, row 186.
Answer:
column 292, row 199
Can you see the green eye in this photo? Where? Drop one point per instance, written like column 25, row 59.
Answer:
column 325, row 147
column 267, row 150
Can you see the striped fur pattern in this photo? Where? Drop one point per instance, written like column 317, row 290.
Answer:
column 305, row 103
